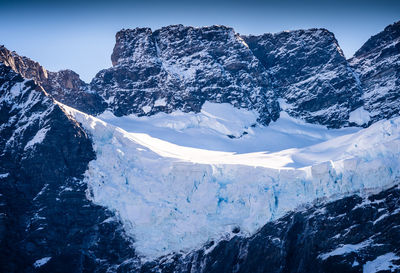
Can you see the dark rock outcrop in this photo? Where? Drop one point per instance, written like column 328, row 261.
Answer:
column 309, row 72
column 65, row 85
column 44, row 210
column 179, row 67
column 378, row 64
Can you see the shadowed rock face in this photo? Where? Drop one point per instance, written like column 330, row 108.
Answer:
column 65, row 85
column 308, row 70
column 378, row 64
column 179, row 68
column 44, row 210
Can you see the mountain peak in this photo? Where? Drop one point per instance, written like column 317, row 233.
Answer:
column 28, row 68
column 184, row 66
column 64, row 85
column 309, row 72
column 132, row 42
column 377, row 65
column 389, row 34
column 178, row 61
column 184, row 153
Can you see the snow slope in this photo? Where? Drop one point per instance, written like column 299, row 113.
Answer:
column 174, row 198
column 222, row 127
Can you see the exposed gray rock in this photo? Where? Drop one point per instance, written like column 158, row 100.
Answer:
column 378, row 64
column 310, row 73
column 23, row 65
column 179, row 68
column 66, row 87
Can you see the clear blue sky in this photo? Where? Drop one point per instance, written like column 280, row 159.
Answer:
column 80, row 35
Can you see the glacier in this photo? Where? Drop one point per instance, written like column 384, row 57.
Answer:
column 178, row 181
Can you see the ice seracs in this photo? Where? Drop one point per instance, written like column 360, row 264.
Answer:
column 173, row 198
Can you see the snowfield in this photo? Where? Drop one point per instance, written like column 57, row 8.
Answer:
column 221, row 127
column 180, row 180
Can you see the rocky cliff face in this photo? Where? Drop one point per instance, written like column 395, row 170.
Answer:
column 378, row 64
column 25, row 66
column 309, row 72
column 179, row 68
column 65, row 85
column 44, row 211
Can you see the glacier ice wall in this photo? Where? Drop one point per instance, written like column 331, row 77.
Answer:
column 171, row 200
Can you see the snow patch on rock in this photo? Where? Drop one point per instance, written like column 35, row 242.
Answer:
column 160, row 102
column 146, row 109
column 38, row 138
column 345, row 249
column 383, row 262
column 4, row 175
column 284, row 105
column 360, row 116
column 41, row 262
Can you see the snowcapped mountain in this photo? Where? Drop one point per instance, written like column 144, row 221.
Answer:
column 202, row 150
